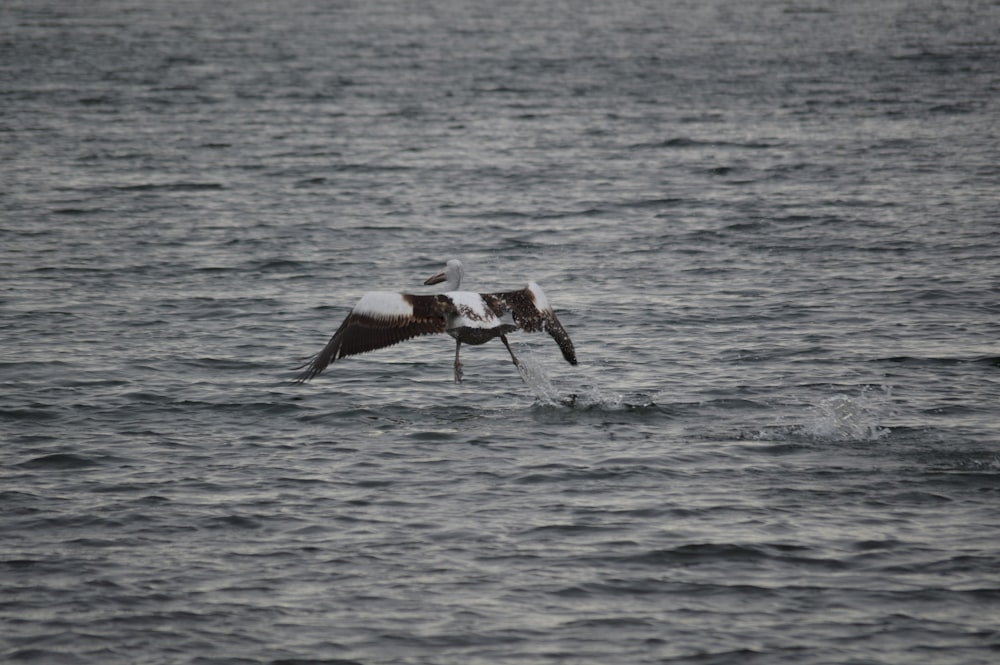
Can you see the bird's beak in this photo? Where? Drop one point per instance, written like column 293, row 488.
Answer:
column 435, row 279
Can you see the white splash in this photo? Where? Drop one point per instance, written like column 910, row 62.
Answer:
column 579, row 397
column 846, row 418
column 536, row 379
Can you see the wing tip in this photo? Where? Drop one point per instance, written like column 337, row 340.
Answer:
column 313, row 369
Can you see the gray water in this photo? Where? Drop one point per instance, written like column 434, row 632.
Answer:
column 771, row 229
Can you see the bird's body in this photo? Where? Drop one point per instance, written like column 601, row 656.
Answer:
column 383, row 318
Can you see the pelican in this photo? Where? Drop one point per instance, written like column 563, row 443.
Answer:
column 381, row 319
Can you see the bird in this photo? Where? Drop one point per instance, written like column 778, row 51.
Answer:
column 381, row 319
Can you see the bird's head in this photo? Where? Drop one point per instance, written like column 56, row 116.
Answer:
column 451, row 275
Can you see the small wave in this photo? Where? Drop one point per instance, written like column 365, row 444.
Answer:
column 170, row 187
column 913, row 361
column 229, row 522
column 59, row 461
column 687, row 142
column 33, row 412
column 655, row 202
column 71, row 211
column 710, row 553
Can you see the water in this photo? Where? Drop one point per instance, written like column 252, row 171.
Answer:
column 769, row 227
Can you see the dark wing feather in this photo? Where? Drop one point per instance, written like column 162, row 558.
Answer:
column 528, row 317
column 364, row 331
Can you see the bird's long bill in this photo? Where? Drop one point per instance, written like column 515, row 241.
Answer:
column 435, row 279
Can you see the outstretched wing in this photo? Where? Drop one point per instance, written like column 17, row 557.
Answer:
column 380, row 319
column 532, row 313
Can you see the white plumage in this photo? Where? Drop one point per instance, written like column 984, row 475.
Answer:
column 383, row 303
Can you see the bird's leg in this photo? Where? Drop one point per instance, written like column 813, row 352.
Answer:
column 458, row 365
column 517, row 363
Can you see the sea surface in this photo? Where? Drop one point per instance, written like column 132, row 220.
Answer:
column 771, row 228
